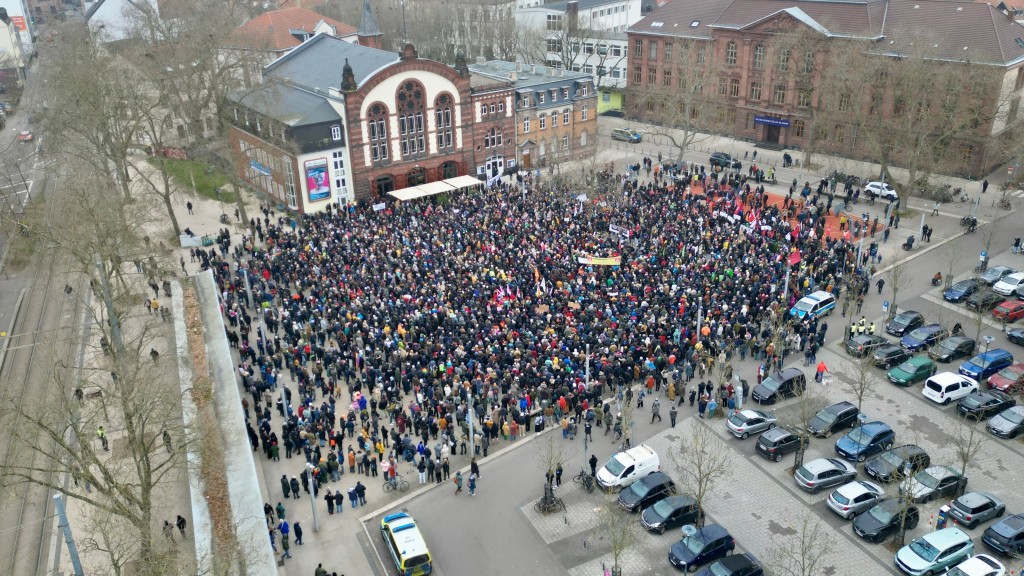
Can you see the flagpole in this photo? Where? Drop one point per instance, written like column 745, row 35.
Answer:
column 785, row 289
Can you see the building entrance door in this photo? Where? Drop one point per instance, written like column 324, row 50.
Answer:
column 526, row 160
column 771, row 134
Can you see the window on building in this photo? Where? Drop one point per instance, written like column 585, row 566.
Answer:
column 443, row 118
column 734, row 87
column 585, row 90
column 483, row 109
column 876, row 102
column 554, row 119
column 808, row 61
column 723, row 86
column 730, row 53
column 542, row 122
column 652, row 76
column 966, row 154
column 554, row 94
column 554, row 21
column 668, row 51
column 638, row 74
column 588, row 47
column 779, row 94
column 755, row 90
column 666, row 78
column 899, row 105
column 291, row 198
column 378, row 125
column 565, row 142
column 759, row 57
column 844, row 102
column 782, row 60
column 650, row 105
column 526, row 125
column 587, row 69
column 750, row 121
column 798, row 128
column 565, row 93
column 652, row 49
column 492, row 138
column 803, row 99
column 492, row 108
column 554, row 45
column 335, row 132
column 583, row 115
column 501, row 107
column 526, row 101
column 701, row 54
column 566, row 115
column 638, row 48
column 338, row 172
column 411, row 109
column 616, row 51
column 839, row 133
column 540, row 98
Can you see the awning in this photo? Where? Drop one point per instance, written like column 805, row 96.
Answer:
column 463, row 182
column 432, row 188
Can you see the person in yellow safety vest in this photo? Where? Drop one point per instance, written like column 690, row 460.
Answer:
column 871, row 329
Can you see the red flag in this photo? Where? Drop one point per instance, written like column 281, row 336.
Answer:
column 794, row 258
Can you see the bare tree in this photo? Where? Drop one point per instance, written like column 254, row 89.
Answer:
column 621, row 529
column 804, row 552
column 896, row 278
column 861, row 380
column 967, row 440
column 701, row 460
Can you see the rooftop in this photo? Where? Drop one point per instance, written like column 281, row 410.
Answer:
column 561, row 6
column 317, row 63
column 284, row 29
column 525, row 75
column 287, row 104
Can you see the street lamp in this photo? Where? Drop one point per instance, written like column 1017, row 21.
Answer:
column 988, row 341
column 312, row 496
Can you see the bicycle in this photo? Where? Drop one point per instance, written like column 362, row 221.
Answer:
column 399, row 483
column 585, row 479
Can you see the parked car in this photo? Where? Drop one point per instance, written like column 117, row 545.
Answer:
column 1009, row 379
column 787, row 383
column 952, row 348
column 777, row 442
column 708, row 543
column 947, row 387
column 1016, row 336
column 1007, row 424
column 1005, row 537
column 25, row 136
column 983, row 301
column 724, row 160
column 670, row 512
column 1008, row 284
column 884, row 519
column 995, row 274
column 833, row 418
column 961, row 290
column 855, row 497
column 863, row 344
column 983, row 404
column 889, row 355
column 934, row 552
column 1009, row 311
column 923, row 337
column 986, row 364
column 934, row 482
column 904, row 322
column 974, row 508
column 912, row 371
column 746, row 422
column 734, row 565
column 646, row 491
column 897, row 463
column 865, row 440
column 980, row 565
column 627, row 135
column 818, row 474
column 880, row 190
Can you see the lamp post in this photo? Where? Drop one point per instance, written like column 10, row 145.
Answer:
column 312, row 496
column 988, row 341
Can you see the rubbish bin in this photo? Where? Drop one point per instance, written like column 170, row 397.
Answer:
column 940, row 522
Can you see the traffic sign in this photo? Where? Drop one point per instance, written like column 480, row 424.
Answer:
column 983, row 254
column 885, row 306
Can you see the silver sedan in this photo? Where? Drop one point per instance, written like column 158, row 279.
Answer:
column 851, row 499
column 746, row 422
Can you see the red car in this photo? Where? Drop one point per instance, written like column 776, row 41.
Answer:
column 1009, row 311
column 1009, row 379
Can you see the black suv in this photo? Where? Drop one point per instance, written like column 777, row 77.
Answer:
column 789, row 382
column 776, row 443
column 905, row 323
column 646, row 491
column 1006, row 537
column 888, row 355
column 832, row 419
column 724, row 160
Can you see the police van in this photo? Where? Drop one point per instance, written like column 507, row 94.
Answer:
column 816, row 305
column 406, row 544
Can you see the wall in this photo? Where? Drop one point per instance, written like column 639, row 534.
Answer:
column 278, row 185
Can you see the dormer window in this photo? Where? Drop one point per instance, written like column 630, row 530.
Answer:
column 336, row 132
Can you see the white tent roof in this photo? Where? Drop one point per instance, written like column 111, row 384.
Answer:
column 432, row 188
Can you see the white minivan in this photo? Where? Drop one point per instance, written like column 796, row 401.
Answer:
column 948, row 387
column 627, row 467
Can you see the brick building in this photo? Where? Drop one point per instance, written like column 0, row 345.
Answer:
column 337, row 122
column 555, row 110
column 758, row 90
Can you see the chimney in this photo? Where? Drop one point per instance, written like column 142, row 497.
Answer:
column 572, row 16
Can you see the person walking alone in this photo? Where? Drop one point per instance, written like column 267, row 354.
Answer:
column 672, row 416
column 656, row 410
column 458, row 482
column 472, row 483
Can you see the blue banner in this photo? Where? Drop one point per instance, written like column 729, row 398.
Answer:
column 771, row 121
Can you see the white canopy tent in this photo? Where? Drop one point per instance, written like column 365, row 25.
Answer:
column 432, row 188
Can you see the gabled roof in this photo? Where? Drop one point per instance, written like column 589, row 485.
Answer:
column 317, row 63
column 961, row 29
column 287, row 104
column 282, row 29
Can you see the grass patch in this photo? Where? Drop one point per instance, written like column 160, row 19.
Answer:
column 207, row 178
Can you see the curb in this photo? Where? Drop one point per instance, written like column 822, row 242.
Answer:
column 14, row 320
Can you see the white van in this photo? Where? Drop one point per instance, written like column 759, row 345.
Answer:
column 815, row 305
column 627, row 467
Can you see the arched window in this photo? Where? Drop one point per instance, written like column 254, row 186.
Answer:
column 411, row 106
column 377, row 123
column 492, row 138
column 730, row 53
column 443, row 117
